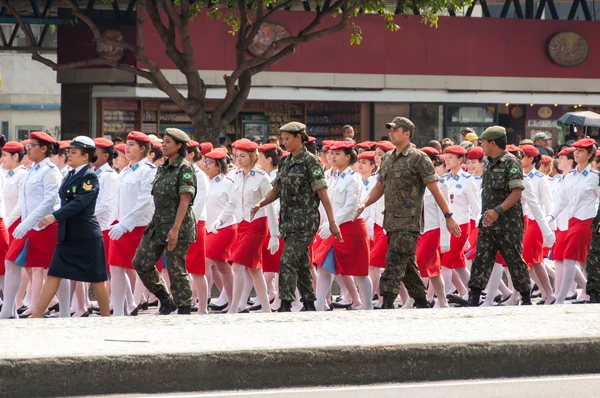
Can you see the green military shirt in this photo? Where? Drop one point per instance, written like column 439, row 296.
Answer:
column 297, row 182
column 172, row 180
column 404, row 177
column 500, row 176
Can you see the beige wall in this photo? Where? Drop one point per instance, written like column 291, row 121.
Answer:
column 385, row 112
column 49, row 120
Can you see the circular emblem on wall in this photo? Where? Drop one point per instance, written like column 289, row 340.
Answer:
column 567, row 48
column 268, row 33
column 108, row 51
column 516, row 112
column 545, row 112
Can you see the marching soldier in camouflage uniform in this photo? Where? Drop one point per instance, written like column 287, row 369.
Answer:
column 404, row 174
column 300, row 186
column 592, row 287
column 173, row 227
column 501, row 226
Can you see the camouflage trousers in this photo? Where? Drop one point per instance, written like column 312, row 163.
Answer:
column 144, row 262
column 294, row 269
column 592, row 286
column 510, row 245
column 401, row 266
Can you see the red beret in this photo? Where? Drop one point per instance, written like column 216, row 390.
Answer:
column 64, row 144
column 430, row 151
column 369, row 155
column 205, row 147
column 512, row 148
column 530, row 150
column 240, row 141
column 221, row 149
column 566, row 151
column 267, row 147
column 192, row 144
column 102, row 142
column 41, row 136
column 385, row 146
column 216, row 154
column 341, row 145
column 12, row 147
column 475, row 153
column 138, row 136
column 582, row 143
column 546, row 159
column 366, row 145
column 155, row 145
column 24, row 142
column 327, row 144
column 120, row 147
column 246, row 146
column 311, row 139
column 285, row 153
column 598, row 152
column 456, row 150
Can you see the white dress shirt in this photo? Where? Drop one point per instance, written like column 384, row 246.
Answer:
column 276, row 204
column 219, row 202
column 14, row 180
column 465, row 201
column 369, row 212
column 554, row 183
column 530, row 200
column 202, row 183
column 248, row 190
column 106, row 204
column 38, row 196
column 433, row 218
column 134, row 187
column 345, row 195
column 579, row 196
column 541, row 189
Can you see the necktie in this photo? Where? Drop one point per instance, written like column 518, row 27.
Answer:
column 70, row 174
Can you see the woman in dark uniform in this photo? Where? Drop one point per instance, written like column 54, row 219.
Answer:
column 79, row 254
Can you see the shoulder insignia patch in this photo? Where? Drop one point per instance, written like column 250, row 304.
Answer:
column 317, row 173
column 86, row 186
column 514, row 170
column 187, row 175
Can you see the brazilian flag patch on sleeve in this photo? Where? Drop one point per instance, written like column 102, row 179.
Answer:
column 187, row 176
column 514, row 170
column 317, row 173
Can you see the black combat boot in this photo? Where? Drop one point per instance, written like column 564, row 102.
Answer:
column 526, row 298
column 422, row 302
column 308, row 306
column 594, row 299
column 388, row 302
column 184, row 310
column 167, row 305
column 474, row 296
column 286, row 306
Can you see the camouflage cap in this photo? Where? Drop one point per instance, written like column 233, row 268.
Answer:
column 526, row 141
column 293, row 127
column 403, row 122
column 177, row 135
column 493, row 133
column 541, row 136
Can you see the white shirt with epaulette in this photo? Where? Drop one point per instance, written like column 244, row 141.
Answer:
column 541, row 189
column 219, row 202
column 134, row 193
column 38, row 196
column 106, row 203
column 581, row 191
column 14, row 180
column 345, row 195
column 465, row 201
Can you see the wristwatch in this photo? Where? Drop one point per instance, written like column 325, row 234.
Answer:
column 448, row 215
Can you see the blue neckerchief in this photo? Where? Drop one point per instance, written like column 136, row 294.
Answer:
column 98, row 171
column 366, row 182
column 11, row 173
column 37, row 167
column 252, row 173
column 135, row 167
column 217, row 179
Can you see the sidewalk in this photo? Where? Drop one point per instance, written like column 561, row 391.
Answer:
column 59, row 357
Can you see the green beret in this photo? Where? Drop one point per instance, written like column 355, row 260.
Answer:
column 177, row 135
column 293, row 127
column 493, row 133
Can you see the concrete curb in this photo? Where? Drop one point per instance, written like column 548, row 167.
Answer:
column 69, row 376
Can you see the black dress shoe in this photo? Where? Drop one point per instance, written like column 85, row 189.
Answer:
column 84, row 315
column 24, row 316
column 144, row 306
column 573, row 297
column 580, row 302
column 338, row 299
column 134, row 312
column 92, row 308
column 340, row 306
column 22, row 310
column 153, row 304
column 55, row 308
column 244, row 311
column 461, row 302
column 375, row 297
column 351, row 309
column 194, row 308
column 256, row 307
column 216, row 307
column 541, row 302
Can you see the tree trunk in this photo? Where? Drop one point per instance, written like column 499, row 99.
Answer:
column 205, row 129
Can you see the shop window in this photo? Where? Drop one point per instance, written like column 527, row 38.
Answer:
column 5, row 130
column 22, row 132
column 426, row 118
column 476, row 117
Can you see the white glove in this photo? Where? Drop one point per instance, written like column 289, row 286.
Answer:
column 19, row 232
column 549, row 219
column 116, row 231
column 371, row 230
column 213, row 228
column 445, row 248
column 273, row 244
column 325, row 233
column 549, row 240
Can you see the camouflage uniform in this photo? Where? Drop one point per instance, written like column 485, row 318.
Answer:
column 500, row 176
column 170, row 181
column 592, row 286
column 297, row 182
column 404, row 177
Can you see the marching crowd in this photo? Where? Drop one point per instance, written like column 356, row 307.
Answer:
column 157, row 222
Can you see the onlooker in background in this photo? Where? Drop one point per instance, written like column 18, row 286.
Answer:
column 540, row 141
column 348, row 131
column 466, row 132
column 273, row 139
column 526, row 141
column 472, row 138
column 435, row 144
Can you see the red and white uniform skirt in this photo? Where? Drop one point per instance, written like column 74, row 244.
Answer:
column 428, row 253
column 218, row 246
column 533, row 244
column 352, row 255
column 122, row 251
column 379, row 247
column 270, row 262
column 558, row 250
column 195, row 261
column 35, row 249
column 4, row 243
column 470, row 253
column 577, row 239
column 455, row 257
column 247, row 247
column 12, row 228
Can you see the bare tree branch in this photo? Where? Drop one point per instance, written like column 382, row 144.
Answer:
column 167, row 35
column 196, row 86
column 171, row 11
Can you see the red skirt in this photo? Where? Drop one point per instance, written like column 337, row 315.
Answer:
column 40, row 247
column 218, row 246
column 352, row 255
column 577, row 240
column 122, row 251
column 247, row 247
column 470, row 253
column 270, row 262
column 533, row 244
column 195, row 262
column 428, row 253
column 379, row 248
column 558, row 250
column 3, row 245
column 455, row 257
column 12, row 229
